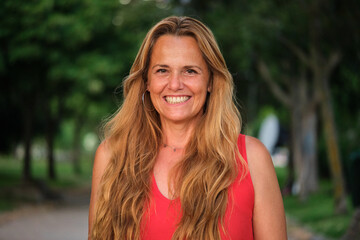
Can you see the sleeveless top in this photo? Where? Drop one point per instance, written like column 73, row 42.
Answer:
column 159, row 222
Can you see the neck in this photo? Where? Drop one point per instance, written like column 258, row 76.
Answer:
column 175, row 135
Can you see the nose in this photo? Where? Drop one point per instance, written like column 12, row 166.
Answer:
column 175, row 81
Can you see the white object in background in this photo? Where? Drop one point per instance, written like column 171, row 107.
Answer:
column 269, row 132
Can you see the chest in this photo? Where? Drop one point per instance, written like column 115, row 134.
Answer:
column 163, row 170
column 163, row 214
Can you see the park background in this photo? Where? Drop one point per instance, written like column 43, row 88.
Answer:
column 62, row 63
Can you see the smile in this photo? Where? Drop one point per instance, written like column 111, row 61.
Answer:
column 175, row 100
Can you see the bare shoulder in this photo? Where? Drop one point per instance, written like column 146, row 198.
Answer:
column 259, row 159
column 268, row 215
column 103, row 153
column 260, row 163
column 256, row 149
column 102, row 159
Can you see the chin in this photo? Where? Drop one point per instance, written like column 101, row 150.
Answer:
column 181, row 119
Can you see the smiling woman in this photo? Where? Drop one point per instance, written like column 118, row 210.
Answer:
column 178, row 80
column 173, row 164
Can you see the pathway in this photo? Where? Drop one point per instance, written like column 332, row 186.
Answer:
column 69, row 222
column 298, row 232
column 46, row 224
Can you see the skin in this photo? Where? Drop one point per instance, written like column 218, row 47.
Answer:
column 102, row 158
column 181, row 71
column 268, row 217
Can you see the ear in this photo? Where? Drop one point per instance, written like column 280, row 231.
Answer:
column 209, row 88
column 146, row 85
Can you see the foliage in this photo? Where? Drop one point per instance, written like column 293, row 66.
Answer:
column 10, row 179
column 317, row 213
column 61, row 61
column 249, row 30
column 78, row 51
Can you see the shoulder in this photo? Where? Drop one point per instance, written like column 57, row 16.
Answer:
column 259, row 162
column 101, row 160
column 103, row 151
column 268, row 206
column 255, row 149
column 102, row 157
column 259, row 159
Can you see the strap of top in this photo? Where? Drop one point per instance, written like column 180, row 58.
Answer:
column 242, row 146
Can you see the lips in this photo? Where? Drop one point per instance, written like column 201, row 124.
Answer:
column 176, row 99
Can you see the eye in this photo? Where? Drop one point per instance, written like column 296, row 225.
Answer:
column 161, row 70
column 191, row 71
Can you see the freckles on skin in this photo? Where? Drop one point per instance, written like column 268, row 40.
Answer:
column 178, row 78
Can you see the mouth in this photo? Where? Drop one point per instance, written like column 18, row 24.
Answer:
column 176, row 99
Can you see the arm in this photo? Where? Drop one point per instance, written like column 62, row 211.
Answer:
column 269, row 216
column 102, row 157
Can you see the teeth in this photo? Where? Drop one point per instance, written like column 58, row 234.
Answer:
column 174, row 100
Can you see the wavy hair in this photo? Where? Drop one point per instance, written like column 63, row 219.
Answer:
column 133, row 135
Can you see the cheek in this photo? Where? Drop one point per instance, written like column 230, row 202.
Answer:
column 155, row 85
column 151, row 85
column 201, row 86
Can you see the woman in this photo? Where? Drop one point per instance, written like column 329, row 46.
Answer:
column 173, row 165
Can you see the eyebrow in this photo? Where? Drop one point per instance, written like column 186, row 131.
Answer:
column 166, row 66
column 193, row 66
column 160, row 65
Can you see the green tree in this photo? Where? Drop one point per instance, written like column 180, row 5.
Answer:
column 297, row 46
column 61, row 60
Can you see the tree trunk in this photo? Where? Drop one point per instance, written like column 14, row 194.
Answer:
column 290, row 178
column 353, row 232
column 50, row 150
column 296, row 137
column 76, row 152
column 309, row 173
column 28, row 130
column 252, row 101
column 50, row 135
column 322, row 68
column 333, row 148
column 302, row 105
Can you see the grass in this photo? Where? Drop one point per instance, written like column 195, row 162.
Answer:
column 11, row 178
column 317, row 212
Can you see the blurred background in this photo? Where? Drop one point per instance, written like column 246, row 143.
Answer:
column 296, row 69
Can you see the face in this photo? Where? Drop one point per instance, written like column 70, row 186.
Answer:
column 178, row 79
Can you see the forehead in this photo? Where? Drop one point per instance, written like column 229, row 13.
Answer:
column 170, row 38
column 172, row 48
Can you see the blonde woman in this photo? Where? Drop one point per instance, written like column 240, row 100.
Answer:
column 173, row 164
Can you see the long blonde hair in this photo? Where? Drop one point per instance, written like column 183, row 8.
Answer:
column 133, row 135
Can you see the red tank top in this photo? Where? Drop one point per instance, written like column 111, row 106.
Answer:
column 160, row 221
